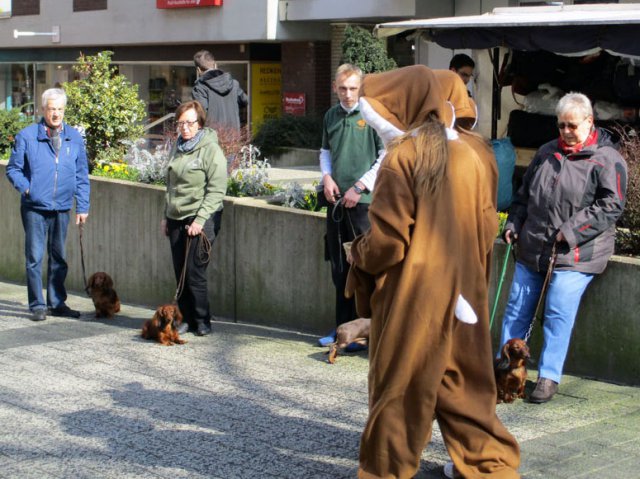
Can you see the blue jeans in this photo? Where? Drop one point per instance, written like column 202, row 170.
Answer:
column 561, row 306
column 48, row 227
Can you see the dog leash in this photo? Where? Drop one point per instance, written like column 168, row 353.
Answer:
column 204, row 253
column 547, row 280
column 338, row 206
column 499, row 289
column 84, row 272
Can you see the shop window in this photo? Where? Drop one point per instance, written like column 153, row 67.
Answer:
column 25, row 7
column 87, row 5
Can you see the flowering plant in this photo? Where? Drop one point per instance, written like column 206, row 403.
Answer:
column 250, row 177
column 120, row 171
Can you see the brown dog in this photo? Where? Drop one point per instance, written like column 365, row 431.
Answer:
column 511, row 370
column 163, row 326
column 356, row 331
column 105, row 299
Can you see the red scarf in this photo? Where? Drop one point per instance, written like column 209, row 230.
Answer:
column 592, row 139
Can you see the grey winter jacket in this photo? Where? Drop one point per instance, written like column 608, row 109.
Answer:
column 221, row 97
column 581, row 194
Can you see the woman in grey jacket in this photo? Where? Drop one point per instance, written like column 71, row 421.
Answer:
column 196, row 185
column 572, row 194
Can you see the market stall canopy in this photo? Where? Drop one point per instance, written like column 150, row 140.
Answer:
column 565, row 29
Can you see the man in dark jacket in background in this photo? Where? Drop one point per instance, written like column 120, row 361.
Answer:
column 48, row 167
column 220, row 95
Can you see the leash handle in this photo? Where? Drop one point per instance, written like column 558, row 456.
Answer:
column 499, row 289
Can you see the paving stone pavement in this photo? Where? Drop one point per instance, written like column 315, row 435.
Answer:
column 87, row 398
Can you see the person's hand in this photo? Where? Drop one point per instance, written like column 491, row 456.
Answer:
column 331, row 190
column 81, row 218
column 351, row 198
column 194, row 229
column 560, row 237
column 510, row 236
column 163, row 227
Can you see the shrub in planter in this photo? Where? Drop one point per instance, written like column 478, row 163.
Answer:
column 628, row 236
column 11, row 122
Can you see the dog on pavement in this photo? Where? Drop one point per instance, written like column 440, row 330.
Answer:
column 356, row 331
column 105, row 299
column 163, row 327
column 511, row 370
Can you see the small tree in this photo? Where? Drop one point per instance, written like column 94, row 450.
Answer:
column 106, row 105
column 361, row 48
column 11, row 122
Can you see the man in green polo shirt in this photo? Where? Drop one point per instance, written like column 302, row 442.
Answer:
column 349, row 160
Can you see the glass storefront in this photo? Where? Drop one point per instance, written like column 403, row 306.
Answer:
column 163, row 86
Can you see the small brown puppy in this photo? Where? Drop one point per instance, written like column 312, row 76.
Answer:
column 163, row 326
column 105, row 299
column 511, row 370
column 356, row 331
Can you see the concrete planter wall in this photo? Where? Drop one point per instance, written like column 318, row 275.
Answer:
column 268, row 268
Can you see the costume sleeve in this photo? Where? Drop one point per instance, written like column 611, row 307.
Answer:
column 199, row 93
column 216, row 185
column 17, row 164
column 609, row 202
column 83, row 187
column 385, row 243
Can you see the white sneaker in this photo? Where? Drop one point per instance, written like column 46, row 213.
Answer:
column 447, row 470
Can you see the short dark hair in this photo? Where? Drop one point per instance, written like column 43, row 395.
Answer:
column 192, row 105
column 204, row 60
column 461, row 60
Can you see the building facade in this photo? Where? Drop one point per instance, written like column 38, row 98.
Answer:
column 276, row 49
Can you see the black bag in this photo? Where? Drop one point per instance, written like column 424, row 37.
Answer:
column 626, row 84
column 531, row 130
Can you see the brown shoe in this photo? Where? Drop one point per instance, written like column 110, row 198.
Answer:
column 544, row 391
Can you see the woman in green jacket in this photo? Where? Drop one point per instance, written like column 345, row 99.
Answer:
column 196, row 185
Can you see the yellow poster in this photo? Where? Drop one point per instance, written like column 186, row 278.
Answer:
column 266, row 87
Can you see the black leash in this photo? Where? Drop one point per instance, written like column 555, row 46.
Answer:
column 339, row 207
column 203, row 253
column 545, row 285
column 84, row 272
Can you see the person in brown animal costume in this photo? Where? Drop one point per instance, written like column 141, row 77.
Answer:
column 420, row 274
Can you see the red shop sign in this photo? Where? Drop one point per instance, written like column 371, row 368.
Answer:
column 294, row 103
column 187, row 3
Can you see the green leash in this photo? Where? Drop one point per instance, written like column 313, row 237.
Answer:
column 502, row 273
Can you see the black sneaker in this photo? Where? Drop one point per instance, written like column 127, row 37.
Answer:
column 203, row 329
column 64, row 311
column 38, row 315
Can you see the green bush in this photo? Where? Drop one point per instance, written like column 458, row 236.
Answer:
column 361, row 48
column 288, row 131
column 11, row 122
column 106, row 105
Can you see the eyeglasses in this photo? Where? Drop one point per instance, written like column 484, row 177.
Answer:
column 181, row 124
column 572, row 126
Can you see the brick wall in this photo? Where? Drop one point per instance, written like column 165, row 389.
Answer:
column 306, row 68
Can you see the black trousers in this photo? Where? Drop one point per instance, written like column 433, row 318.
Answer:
column 343, row 225
column 194, row 300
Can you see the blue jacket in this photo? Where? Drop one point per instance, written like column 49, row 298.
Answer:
column 52, row 181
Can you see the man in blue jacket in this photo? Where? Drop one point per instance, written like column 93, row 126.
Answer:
column 48, row 167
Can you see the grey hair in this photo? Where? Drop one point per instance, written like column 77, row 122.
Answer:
column 53, row 94
column 348, row 69
column 572, row 102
